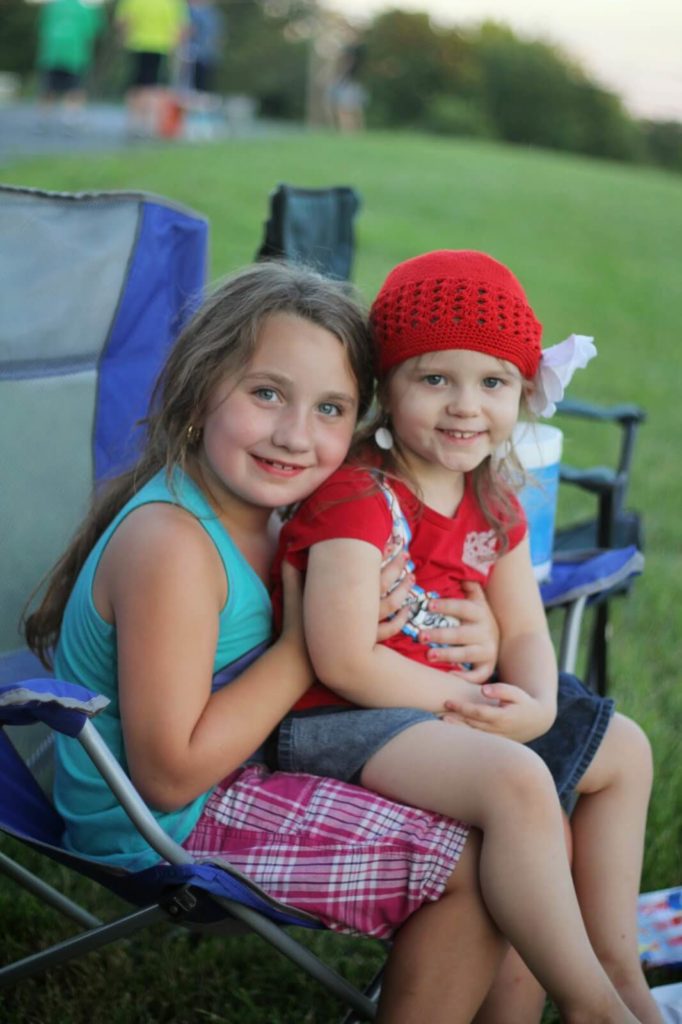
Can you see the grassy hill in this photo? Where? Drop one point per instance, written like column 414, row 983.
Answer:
column 597, row 246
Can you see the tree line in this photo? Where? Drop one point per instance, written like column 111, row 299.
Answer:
column 485, row 82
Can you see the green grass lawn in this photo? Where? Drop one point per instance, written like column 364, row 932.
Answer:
column 597, row 246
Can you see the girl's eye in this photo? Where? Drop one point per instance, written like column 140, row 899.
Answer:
column 491, row 383
column 266, row 394
column 434, row 380
column 330, row 409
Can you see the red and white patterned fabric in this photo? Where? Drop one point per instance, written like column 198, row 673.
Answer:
column 355, row 860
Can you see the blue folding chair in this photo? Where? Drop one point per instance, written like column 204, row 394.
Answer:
column 93, row 291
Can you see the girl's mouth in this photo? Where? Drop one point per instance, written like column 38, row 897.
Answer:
column 461, row 435
column 277, row 468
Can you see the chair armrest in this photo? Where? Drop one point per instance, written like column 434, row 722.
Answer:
column 131, row 801
column 596, row 480
column 623, row 414
column 67, row 708
column 627, row 417
column 64, row 707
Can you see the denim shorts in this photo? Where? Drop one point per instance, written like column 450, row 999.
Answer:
column 337, row 743
column 579, row 727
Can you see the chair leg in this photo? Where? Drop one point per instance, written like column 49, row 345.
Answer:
column 78, row 945
column 570, row 634
column 302, row 957
column 597, row 675
column 47, row 893
column 372, row 991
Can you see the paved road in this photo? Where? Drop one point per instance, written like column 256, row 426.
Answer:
column 25, row 130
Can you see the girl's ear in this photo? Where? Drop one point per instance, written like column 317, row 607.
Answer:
column 527, row 391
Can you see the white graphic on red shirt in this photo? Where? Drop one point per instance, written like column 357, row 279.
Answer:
column 480, row 550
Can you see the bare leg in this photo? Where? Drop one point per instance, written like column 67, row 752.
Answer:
column 516, row 997
column 505, row 790
column 608, row 835
column 445, row 956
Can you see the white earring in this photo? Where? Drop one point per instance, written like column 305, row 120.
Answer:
column 383, row 438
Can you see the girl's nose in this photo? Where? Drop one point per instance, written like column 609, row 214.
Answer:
column 292, row 431
column 463, row 402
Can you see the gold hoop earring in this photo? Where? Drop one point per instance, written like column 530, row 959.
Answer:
column 192, row 435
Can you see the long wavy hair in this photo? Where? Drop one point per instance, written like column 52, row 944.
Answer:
column 217, row 342
column 495, row 481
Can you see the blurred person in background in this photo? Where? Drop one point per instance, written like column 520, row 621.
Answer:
column 202, row 52
column 67, row 31
column 204, row 45
column 152, row 31
column 347, row 95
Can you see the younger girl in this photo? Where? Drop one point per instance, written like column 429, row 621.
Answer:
column 458, row 346
column 161, row 599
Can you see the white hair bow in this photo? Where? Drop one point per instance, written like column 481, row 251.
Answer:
column 557, row 366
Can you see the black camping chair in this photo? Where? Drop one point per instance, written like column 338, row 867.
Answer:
column 314, row 226
column 612, row 538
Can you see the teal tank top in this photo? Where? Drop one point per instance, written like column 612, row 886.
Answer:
column 96, row 826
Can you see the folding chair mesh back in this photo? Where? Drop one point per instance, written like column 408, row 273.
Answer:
column 93, row 290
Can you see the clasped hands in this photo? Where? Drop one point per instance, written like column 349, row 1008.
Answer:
column 495, row 707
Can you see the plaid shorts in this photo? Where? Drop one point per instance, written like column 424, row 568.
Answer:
column 355, row 860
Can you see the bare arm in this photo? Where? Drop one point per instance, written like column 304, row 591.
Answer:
column 526, row 655
column 341, row 606
column 166, row 587
column 525, row 702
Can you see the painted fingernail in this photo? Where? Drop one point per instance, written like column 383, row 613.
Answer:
column 425, row 637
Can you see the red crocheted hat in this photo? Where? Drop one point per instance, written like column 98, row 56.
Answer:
column 454, row 299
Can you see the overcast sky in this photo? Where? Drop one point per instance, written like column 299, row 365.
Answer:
column 632, row 47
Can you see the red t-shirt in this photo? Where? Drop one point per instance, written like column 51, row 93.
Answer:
column 445, row 550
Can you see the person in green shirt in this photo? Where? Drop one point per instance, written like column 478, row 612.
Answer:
column 67, row 31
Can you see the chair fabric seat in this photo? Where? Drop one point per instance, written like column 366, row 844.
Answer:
column 592, row 573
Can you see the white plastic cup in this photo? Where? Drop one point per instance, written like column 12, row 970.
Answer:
column 538, row 447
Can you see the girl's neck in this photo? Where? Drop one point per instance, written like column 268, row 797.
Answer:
column 237, row 516
column 439, row 489
column 248, row 527
column 443, row 496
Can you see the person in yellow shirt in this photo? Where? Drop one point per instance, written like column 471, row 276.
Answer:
column 151, row 31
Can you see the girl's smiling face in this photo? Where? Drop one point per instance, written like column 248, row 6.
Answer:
column 276, row 430
column 451, row 409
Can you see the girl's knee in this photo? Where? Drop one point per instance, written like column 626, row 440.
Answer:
column 630, row 748
column 523, row 775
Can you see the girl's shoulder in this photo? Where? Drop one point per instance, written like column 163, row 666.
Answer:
column 159, row 542
column 350, row 504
